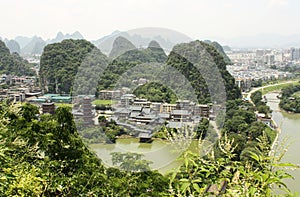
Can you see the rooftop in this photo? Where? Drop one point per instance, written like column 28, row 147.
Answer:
column 181, row 112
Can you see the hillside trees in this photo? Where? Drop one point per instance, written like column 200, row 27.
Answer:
column 46, row 157
column 60, row 63
column 12, row 63
column 290, row 101
column 210, row 63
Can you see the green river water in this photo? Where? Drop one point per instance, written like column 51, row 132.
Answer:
column 290, row 130
column 164, row 155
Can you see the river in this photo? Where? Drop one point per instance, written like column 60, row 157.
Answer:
column 290, row 130
column 164, row 155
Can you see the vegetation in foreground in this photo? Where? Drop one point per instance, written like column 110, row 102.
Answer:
column 290, row 99
column 44, row 156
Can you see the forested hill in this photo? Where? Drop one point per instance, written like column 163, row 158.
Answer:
column 210, row 66
column 13, row 63
column 120, row 46
column 220, row 49
column 154, row 53
column 13, row 46
column 128, row 58
column 60, row 63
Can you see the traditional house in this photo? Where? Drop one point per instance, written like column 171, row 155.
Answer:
column 127, row 99
column 48, row 108
column 183, row 105
column 167, row 108
column 141, row 102
column 156, row 107
column 87, row 112
column 145, row 119
column 180, row 115
column 110, row 94
column 145, row 137
column 202, row 110
column 122, row 113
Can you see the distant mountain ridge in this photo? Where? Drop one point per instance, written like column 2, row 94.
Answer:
column 124, row 51
column 120, row 46
column 35, row 44
column 60, row 37
column 13, row 46
column 220, row 49
column 165, row 37
column 140, row 38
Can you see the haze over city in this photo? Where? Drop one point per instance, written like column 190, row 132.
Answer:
column 231, row 22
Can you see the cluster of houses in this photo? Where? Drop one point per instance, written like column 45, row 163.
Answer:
column 140, row 114
column 129, row 108
column 18, row 88
column 143, row 112
column 24, row 89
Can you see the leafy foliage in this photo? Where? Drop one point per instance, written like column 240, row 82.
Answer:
column 220, row 50
column 129, row 58
column 260, row 105
column 130, row 162
column 260, row 176
column 193, row 74
column 46, row 157
column 241, row 126
column 60, row 63
column 155, row 92
column 290, row 101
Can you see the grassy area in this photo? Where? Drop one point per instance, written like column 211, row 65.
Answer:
column 103, row 102
column 277, row 87
column 63, row 104
column 275, row 81
column 296, row 94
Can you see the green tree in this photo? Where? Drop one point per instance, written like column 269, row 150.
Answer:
column 130, row 162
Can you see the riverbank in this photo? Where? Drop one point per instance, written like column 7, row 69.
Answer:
column 268, row 89
column 271, row 88
column 288, row 139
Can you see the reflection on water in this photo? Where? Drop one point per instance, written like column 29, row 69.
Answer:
column 163, row 155
column 290, row 128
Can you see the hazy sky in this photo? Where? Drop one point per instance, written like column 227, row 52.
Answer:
column 196, row 18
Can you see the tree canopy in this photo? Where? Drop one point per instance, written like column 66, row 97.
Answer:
column 42, row 155
column 60, row 63
column 290, row 101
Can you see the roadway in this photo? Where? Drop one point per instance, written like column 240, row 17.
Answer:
column 260, row 88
